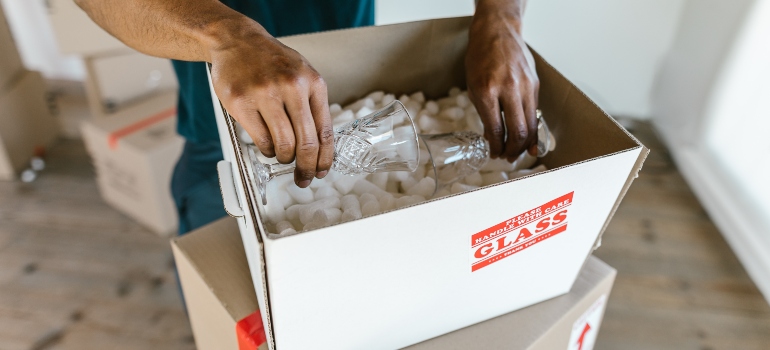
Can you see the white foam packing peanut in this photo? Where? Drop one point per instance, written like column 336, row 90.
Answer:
column 494, row 177
column 376, row 96
column 304, row 212
column 380, row 180
column 285, row 227
column 388, row 99
column 300, row 195
column 458, row 187
column 351, row 208
column 364, row 102
column 335, row 109
column 345, row 183
column 474, row 179
column 327, row 191
column 453, row 113
column 323, row 217
column 363, row 186
column 344, row 117
column 424, row 188
column 524, row 172
column 363, row 112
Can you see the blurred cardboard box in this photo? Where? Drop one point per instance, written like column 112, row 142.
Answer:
column 27, row 127
column 222, row 305
column 400, row 277
column 10, row 62
column 76, row 33
column 117, row 81
column 134, row 154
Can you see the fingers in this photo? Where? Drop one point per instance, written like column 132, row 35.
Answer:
column 281, row 130
column 319, row 106
column 530, row 114
column 307, row 144
column 518, row 134
column 487, row 105
column 263, row 140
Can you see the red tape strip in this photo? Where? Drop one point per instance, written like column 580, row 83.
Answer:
column 250, row 332
column 112, row 138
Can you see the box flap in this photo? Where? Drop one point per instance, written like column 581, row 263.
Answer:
column 211, row 252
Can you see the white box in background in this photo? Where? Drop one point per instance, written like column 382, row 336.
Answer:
column 220, row 301
column 27, row 127
column 398, row 278
column 10, row 63
column 134, row 154
column 76, row 33
column 117, row 81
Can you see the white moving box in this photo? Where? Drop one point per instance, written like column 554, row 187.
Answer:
column 10, row 61
column 134, row 154
column 221, row 303
column 117, row 81
column 76, row 33
column 27, row 127
column 401, row 277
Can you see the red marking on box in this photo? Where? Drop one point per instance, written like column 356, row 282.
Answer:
column 112, row 138
column 519, row 232
column 250, row 332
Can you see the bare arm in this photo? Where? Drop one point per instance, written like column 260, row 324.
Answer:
column 269, row 88
column 502, row 80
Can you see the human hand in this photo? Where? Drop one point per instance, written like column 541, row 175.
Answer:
column 501, row 76
column 278, row 98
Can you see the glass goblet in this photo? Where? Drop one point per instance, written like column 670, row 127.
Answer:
column 374, row 143
column 456, row 155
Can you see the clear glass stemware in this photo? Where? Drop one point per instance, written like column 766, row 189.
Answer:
column 456, row 155
column 374, row 143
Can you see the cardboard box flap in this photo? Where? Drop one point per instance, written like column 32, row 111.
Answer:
column 213, row 258
column 398, row 57
column 392, row 58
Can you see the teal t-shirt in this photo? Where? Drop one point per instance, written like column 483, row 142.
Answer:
column 280, row 18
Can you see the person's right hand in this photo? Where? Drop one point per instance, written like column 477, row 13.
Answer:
column 278, row 98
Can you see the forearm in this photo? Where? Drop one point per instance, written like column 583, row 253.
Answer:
column 511, row 11
column 179, row 29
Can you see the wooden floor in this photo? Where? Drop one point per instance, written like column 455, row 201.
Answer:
column 75, row 274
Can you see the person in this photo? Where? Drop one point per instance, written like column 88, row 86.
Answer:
column 277, row 96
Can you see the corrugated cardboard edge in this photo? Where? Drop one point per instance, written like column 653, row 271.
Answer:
column 644, row 152
column 257, row 221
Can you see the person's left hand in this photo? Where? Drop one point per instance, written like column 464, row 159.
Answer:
column 501, row 77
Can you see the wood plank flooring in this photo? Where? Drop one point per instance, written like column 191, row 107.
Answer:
column 76, row 274
column 679, row 285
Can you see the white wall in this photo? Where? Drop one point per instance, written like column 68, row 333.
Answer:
column 608, row 48
column 36, row 43
column 710, row 107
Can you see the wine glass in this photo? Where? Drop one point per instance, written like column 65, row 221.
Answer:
column 374, row 143
column 456, row 155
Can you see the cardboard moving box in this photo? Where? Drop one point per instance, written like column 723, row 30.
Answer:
column 118, row 81
column 134, row 154
column 220, row 299
column 398, row 278
column 10, row 62
column 27, row 127
column 76, row 33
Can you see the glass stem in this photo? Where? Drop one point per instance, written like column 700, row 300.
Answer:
column 279, row 169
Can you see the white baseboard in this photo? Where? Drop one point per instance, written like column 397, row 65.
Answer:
column 735, row 221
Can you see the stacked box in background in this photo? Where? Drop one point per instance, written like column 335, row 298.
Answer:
column 223, row 308
column 131, row 132
column 134, row 154
column 116, row 76
column 26, row 125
